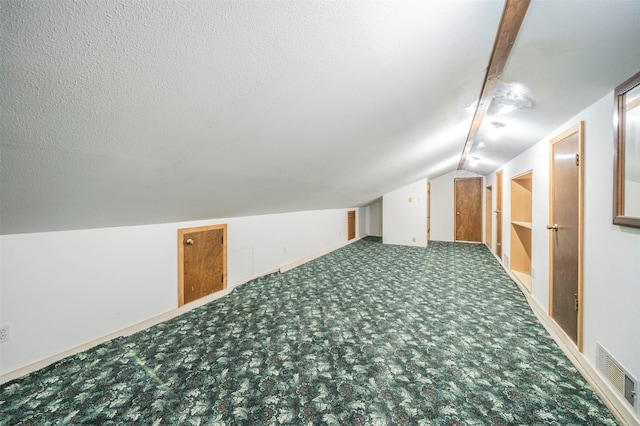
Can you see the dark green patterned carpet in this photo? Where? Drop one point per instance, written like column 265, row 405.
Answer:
column 369, row 334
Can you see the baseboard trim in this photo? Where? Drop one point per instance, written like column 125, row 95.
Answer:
column 618, row 407
column 157, row 319
column 127, row 331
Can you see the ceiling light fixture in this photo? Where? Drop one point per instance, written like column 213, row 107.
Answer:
column 509, row 97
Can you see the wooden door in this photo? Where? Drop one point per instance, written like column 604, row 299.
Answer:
column 498, row 212
column 351, row 225
column 488, row 201
column 566, row 232
column 468, row 209
column 428, row 212
column 202, row 262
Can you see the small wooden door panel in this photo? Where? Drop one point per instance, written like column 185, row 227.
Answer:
column 202, row 262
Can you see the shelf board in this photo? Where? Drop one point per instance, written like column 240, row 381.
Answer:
column 521, row 224
column 524, row 278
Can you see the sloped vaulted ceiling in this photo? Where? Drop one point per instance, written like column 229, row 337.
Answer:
column 568, row 54
column 138, row 112
column 133, row 112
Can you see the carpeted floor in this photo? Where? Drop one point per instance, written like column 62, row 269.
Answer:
column 369, row 334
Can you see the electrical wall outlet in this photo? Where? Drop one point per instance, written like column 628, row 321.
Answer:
column 4, row 333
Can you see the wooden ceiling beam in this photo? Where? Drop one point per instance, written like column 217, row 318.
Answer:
column 512, row 17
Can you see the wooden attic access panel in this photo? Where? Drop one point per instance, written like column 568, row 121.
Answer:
column 202, row 262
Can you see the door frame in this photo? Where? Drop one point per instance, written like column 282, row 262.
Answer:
column 488, row 220
column 181, row 233
column 428, row 212
column 498, row 211
column 351, row 232
column 579, row 129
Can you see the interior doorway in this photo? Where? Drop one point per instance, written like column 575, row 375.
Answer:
column 351, row 224
column 468, row 209
column 428, row 212
column 498, row 212
column 202, row 262
column 566, row 195
column 488, row 201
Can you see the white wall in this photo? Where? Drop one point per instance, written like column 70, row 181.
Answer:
column 62, row 289
column 442, row 205
column 536, row 159
column 361, row 222
column 611, row 253
column 404, row 215
column 374, row 219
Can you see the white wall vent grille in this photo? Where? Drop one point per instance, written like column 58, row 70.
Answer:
column 615, row 375
column 621, row 380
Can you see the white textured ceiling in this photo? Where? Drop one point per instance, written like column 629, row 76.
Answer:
column 137, row 112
